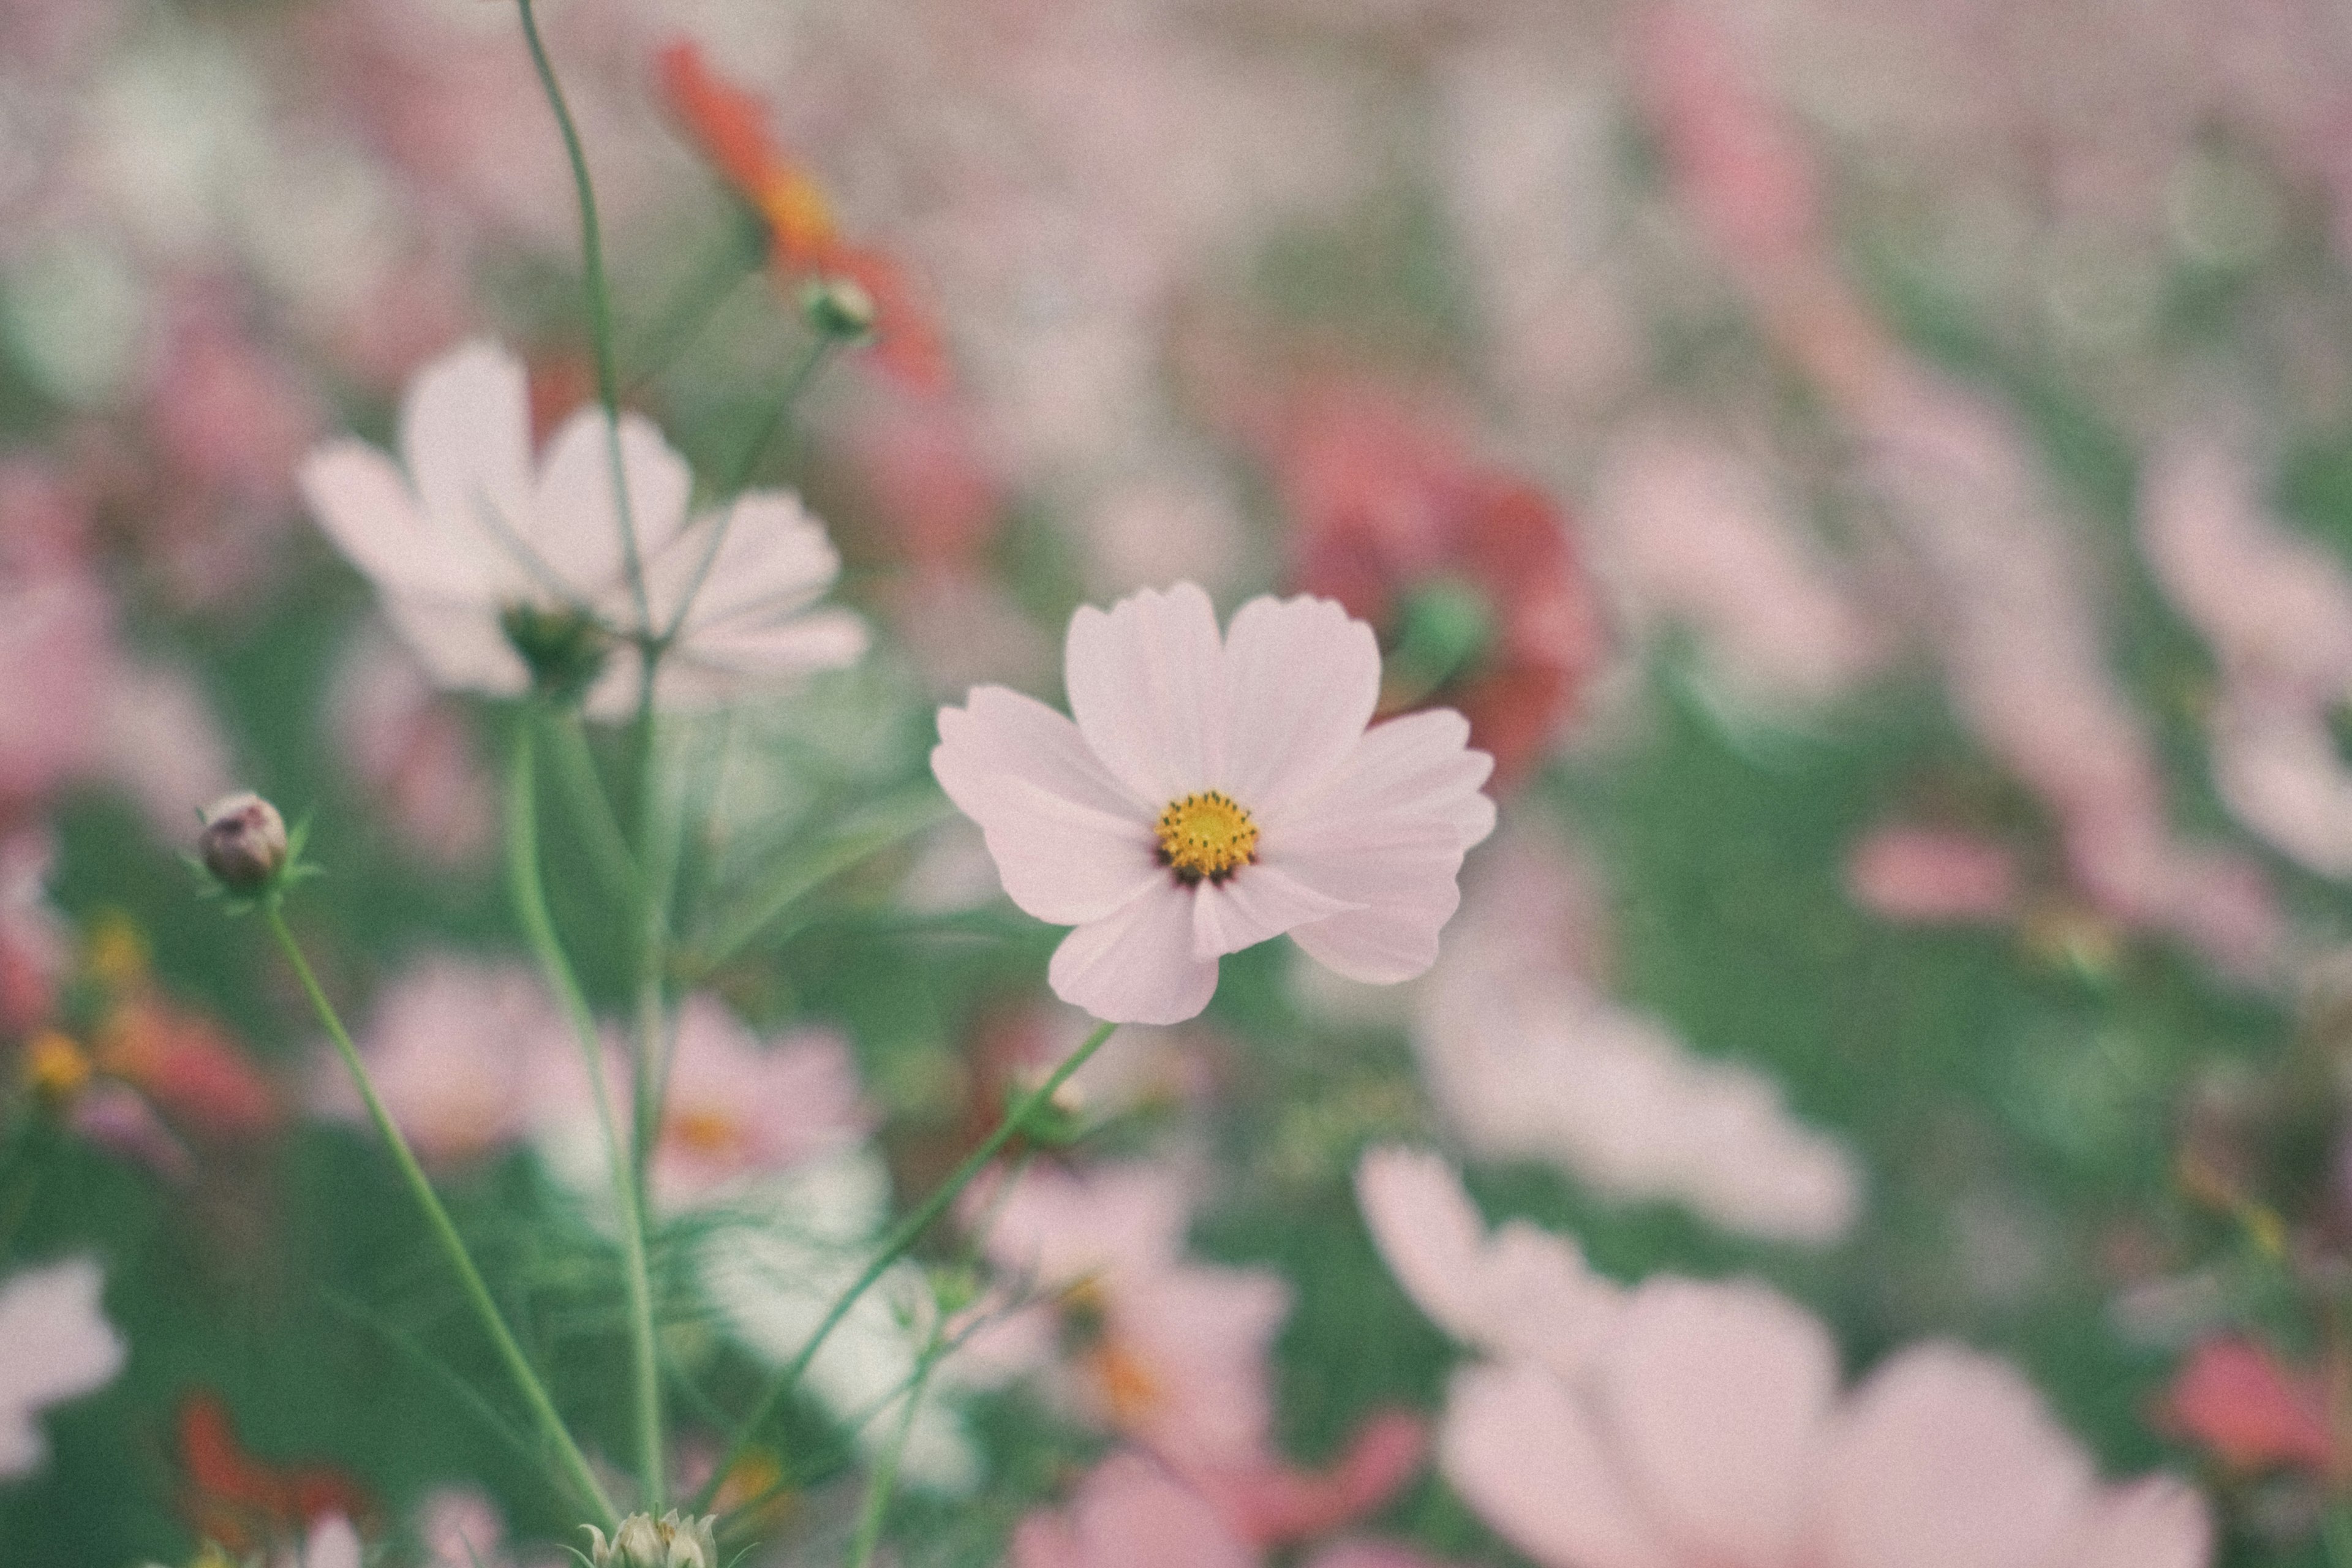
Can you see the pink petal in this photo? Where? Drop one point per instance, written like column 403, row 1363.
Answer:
column 1946, row 1458
column 1387, row 832
column 1274, row 1503
column 1130, row 1514
column 1070, row 843
column 1146, row 686
column 1136, row 966
column 773, row 558
column 1302, row 678
column 465, row 438
column 571, row 534
column 2157, row 1523
column 1527, row 1459
column 460, row 643
column 1717, row 1393
column 1255, row 903
column 1522, row 1293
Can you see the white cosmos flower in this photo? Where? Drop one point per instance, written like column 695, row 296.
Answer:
column 479, row 552
column 1213, row 793
column 55, row 1344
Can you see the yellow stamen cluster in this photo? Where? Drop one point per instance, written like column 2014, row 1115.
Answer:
column 1209, row 835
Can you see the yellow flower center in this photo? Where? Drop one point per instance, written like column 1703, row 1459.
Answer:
column 1206, row 835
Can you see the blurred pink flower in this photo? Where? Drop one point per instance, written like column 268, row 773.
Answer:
column 470, row 542
column 1169, row 1353
column 55, row 1346
column 1247, row 760
column 737, row 1107
column 458, row 1050
column 2234, row 1399
column 1527, row 1059
column 33, row 936
column 459, row 1527
column 1688, row 530
column 1128, row 1513
column 412, row 753
column 1931, row 875
column 1682, row 1424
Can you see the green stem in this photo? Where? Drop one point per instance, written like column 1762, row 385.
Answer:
column 894, row 1247
column 884, row 1479
column 592, row 806
column 693, row 306
column 582, row 1479
column 538, row 929
column 600, row 311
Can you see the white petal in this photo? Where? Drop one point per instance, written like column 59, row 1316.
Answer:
column 1137, row 966
column 460, row 643
column 1146, row 686
column 1070, row 844
column 465, row 436
column 573, row 533
column 55, row 1343
column 2157, row 1523
column 1302, row 677
column 1946, row 1458
column 710, row 667
column 363, row 504
column 1717, row 1393
column 1254, row 903
column 772, row 560
column 1525, row 1456
column 1402, row 876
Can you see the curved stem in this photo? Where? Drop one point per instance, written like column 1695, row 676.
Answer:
column 539, row 928
column 884, row 1479
column 576, row 1469
column 600, row 313
column 894, row 1247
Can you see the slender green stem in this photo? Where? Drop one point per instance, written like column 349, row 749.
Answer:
column 693, row 306
column 888, row 822
column 894, row 1247
column 796, row 382
column 590, row 806
column 600, row 310
column 884, row 1479
column 538, row 929
column 582, row 1479
column 2338, row 1534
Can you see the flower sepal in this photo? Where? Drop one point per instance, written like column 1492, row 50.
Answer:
column 245, row 855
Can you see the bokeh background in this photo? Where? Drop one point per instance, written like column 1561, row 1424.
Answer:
column 1879, row 477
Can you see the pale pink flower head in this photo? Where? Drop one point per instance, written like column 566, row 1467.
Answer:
column 1932, row 874
column 55, row 1344
column 1213, row 793
column 454, row 1047
column 737, row 1107
column 1683, row 1424
column 480, row 553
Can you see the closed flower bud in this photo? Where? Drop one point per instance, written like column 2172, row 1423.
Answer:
column 243, row 843
column 838, row 308
column 644, row 1541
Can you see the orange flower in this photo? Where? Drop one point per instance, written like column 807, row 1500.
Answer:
column 244, row 1503
column 730, row 126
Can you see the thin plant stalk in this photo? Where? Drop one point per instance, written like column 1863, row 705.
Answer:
column 600, row 311
column 539, row 928
column 884, row 1479
column 576, row 1472
column 894, row 1247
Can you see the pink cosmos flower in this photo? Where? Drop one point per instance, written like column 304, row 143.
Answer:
column 1129, row 1513
column 1171, row 1354
column 498, row 573
column 1213, row 793
column 55, row 1343
column 1932, row 874
column 1686, row 1425
column 456, row 1048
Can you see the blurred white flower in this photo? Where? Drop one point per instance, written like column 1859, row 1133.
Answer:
column 503, row 575
column 1213, row 793
column 55, row 1343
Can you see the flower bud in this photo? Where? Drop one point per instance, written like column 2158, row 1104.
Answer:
column 838, row 308
column 642, row 1542
column 243, row 844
